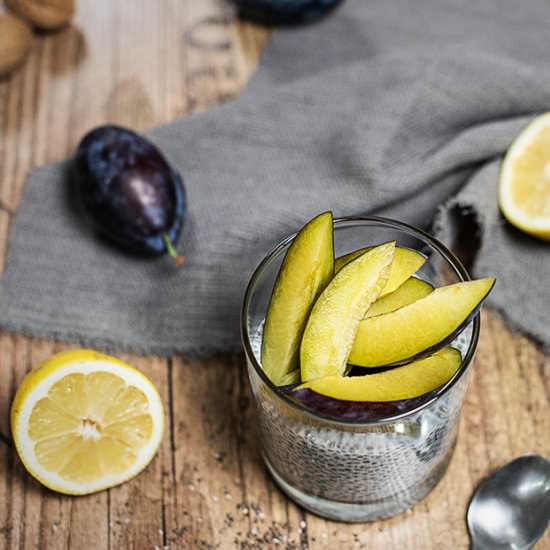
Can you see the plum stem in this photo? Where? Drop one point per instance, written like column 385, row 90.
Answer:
column 170, row 248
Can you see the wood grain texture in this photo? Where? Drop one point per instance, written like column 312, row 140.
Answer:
column 144, row 63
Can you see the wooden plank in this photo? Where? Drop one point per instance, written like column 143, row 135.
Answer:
column 135, row 509
column 11, row 490
column 205, row 405
column 224, row 496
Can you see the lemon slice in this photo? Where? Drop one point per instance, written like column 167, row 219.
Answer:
column 84, row 421
column 524, row 187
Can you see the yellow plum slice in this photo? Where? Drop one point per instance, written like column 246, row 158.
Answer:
column 406, row 262
column 410, row 291
column 333, row 322
column 404, row 382
column 419, row 328
column 306, row 270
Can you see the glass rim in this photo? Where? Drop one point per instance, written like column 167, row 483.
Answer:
column 348, row 221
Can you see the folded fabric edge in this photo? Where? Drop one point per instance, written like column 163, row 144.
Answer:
column 445, row 229
column 112, row 347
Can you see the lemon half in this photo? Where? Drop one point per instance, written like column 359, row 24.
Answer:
column 84, row 421
column 524, row 186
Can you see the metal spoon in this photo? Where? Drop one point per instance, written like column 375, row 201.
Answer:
column 511, row 509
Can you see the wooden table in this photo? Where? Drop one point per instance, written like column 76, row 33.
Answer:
column 143, row 63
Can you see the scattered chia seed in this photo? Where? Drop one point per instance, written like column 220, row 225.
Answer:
column 229, row 520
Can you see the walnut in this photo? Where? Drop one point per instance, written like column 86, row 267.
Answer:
column 15, row 42
column 44, row 14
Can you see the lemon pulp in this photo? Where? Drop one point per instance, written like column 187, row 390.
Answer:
column 531, row 176
column 83, row 422
column 82, row 437
column 524, row 188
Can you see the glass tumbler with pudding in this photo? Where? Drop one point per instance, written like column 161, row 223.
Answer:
column 359, row 335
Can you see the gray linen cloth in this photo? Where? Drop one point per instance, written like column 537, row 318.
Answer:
column 395, row 107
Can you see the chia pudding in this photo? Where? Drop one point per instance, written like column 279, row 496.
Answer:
column 349, row 462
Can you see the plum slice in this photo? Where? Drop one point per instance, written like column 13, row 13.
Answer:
column 419, row 328
column 410, row 291
column 406, row 262
column 306, row 270
column 332, row 324
column 406, row 382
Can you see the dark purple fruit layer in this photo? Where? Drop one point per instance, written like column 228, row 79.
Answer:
column 356, row 411
column 129, row 191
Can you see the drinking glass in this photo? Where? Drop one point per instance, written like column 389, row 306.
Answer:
column 357, row 470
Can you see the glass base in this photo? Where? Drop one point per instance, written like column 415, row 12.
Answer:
column 361, row 512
